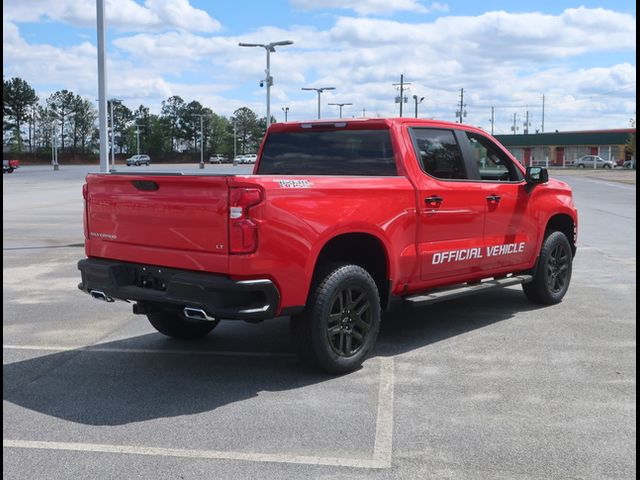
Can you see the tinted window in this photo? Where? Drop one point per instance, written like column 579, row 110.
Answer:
column 439, row 153
column 335, row 152
column 493, row 164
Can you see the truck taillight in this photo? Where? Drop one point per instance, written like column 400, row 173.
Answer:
column 85, row 221
column 243, row 232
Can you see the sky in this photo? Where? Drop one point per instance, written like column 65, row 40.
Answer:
column 505, row 54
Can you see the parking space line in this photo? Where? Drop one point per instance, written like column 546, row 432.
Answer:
column 98, row 349
column 188, row 453
column 382, row 451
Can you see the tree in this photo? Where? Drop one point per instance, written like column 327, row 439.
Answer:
column 190, row 123
column 248, row 131
column 62, row 103
column 122, row 117
column 219, row 135
column 172, row 113
column 84, row 118
column 18, row 97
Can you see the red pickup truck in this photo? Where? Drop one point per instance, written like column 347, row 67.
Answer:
column 339, row 221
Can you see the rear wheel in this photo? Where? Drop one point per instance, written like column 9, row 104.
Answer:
column 172, row 324
column 553, row 271
column 340, row 324
column 581, row 165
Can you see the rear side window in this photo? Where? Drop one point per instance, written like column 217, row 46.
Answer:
column 439, row 153
column 335, row 152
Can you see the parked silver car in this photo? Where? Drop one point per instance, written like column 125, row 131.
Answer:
column 138, row 160
column 587, row 161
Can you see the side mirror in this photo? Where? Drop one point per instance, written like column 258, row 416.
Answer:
column 536, row 175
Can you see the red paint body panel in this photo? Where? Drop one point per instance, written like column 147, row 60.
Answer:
column 184, row 222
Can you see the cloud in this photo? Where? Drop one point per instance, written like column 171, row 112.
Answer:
column 125, row 15
column 501, row 59
column 371, row 7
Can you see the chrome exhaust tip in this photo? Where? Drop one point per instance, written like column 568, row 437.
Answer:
column 100, row 295
column 197, row 314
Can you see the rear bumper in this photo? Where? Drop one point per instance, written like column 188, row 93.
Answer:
column 217, row 295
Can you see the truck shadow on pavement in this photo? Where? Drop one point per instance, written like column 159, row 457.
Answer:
column 92, row 386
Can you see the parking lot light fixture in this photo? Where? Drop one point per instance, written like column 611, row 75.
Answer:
column 269, row 47
column 319, row 90
column 340, row 105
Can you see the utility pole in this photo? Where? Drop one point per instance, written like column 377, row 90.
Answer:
column 340, row 105
column 492, row 118
column 514, row 127
column 102, row 88
column 526, row 124
column 364, row 113
column 286, row 112
column 235, row 153
column 201, row 115
column 462, row 112
column 542, row 113
column 401, row 98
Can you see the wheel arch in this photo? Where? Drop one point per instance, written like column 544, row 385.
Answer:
column 564, row 223
column 359, row 248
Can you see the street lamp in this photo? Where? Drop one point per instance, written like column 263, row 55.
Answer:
column 286, row 113
column 415, row 98
column 319, row 90
column 340, row 105
column 269, row 47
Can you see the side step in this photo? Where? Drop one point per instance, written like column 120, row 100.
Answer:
column 469, row 289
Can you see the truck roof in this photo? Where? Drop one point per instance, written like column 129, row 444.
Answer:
column 360, row 123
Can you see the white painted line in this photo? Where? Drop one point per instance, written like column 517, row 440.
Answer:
column 383, row 446
column 382, row 449
column 97, row 348
column 188, row 453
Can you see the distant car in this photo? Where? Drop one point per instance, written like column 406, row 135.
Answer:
column 629, row 163
column 251, row 158
column 587, row 161
column 8, row 166
column 138, row 160
column 217, row 158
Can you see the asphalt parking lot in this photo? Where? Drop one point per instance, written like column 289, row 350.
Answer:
column 488, row 387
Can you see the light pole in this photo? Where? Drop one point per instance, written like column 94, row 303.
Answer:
column 113, row 136
column 102, row 88
column 340, row 105
column 415, row 98
column 54, row 140
column 269, row 47
column 286, row 113
column 201, row 115
column 319, row 90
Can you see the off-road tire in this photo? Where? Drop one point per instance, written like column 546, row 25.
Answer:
column 340, row 324
column 552, row 274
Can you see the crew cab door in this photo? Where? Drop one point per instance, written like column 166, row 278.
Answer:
column 451, row 208
column 510, row 229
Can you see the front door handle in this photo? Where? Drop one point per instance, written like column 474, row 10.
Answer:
column 494, row 198
column 433, row 199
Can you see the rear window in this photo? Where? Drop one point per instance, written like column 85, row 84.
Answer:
column 335, row 152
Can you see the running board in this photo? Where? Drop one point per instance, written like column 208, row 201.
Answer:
column 469, row 289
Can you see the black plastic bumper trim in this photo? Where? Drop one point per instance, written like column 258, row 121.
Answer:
column 219, row 296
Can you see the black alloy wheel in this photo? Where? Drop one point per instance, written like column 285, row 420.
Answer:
column 557, row 268
column 350, row 320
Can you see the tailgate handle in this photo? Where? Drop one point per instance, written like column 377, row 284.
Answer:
column 147, row 185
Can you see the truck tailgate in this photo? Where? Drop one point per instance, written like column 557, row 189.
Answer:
column 170, row 220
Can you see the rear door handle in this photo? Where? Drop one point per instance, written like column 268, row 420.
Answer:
column 433, row 199
column 494, row 198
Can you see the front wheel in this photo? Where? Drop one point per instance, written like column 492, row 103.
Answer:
column 173, row 324
column 581, row 165
column 553, row 271
column 340, row 324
